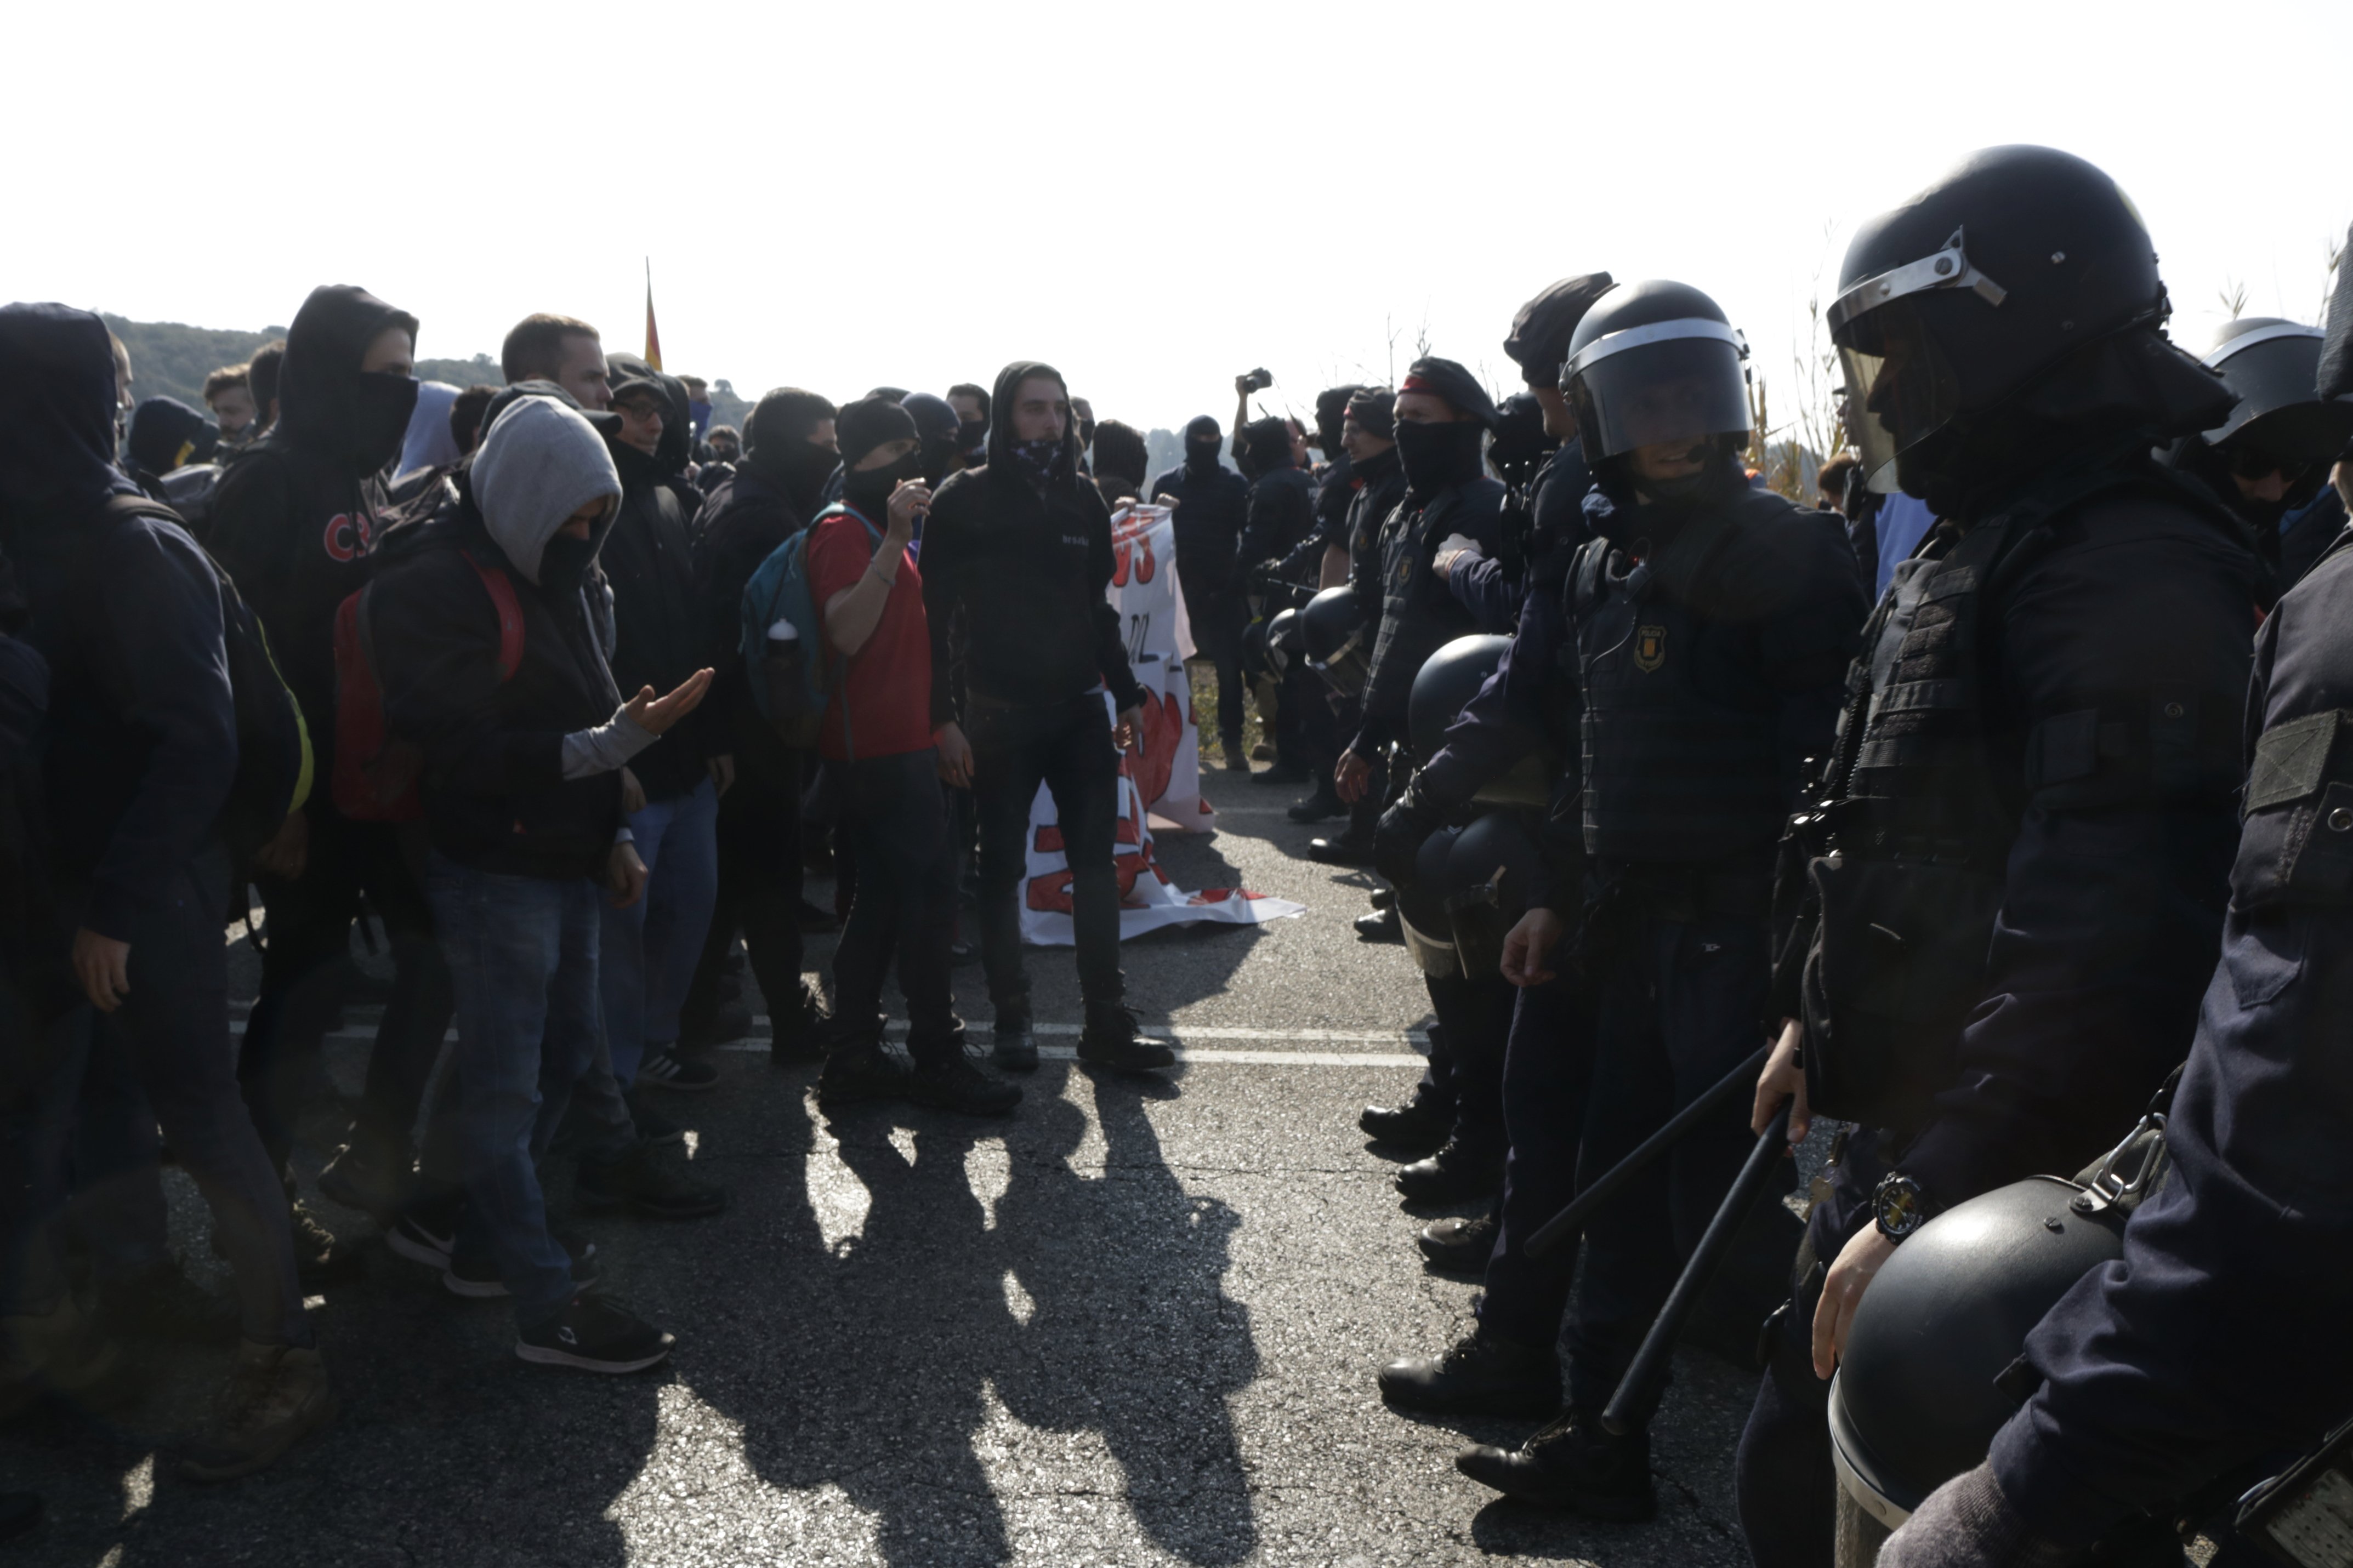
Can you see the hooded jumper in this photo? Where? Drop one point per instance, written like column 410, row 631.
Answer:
column 495, row 795
column 296, row 516
column 142, row 741
column 1212, row 506
column 166, row 433
column 1026, row 559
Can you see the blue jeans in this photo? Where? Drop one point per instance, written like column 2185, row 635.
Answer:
column 650, row 948
column 522, row 961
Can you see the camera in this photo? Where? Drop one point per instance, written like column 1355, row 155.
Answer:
column 1258, row 380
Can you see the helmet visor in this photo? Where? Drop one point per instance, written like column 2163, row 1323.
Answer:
column 1671, row 389
column 1900, row 388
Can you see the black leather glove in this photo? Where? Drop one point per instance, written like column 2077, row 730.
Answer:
column 1402, row 830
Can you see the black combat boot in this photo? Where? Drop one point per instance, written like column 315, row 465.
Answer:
column 1481, row 1375
column 1571, row 1464
column 1458, row 1173
column 1110, row 1040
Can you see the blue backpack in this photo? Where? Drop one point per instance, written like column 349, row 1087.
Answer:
column 790, row 687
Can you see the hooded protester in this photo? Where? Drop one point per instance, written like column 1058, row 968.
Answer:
column 140, row 758
column 771, row 496
column 523, row 752
column 167, row 433
column 1119, row 460
column 1212, row 505
column 1335, row 484
column 937, row 428
column 1016, row 557
column 659, row 639
column 428, row 443
column 294, row 522
column 1281, row 519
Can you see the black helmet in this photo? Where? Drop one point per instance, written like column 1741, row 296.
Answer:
column 1921, row 1387
column 1447, row 680
column 1952, row 302
column 1521, row 443
column 1489, row 869
column 1284, row 642
column 1655, row 362
column 1339, row 639
column 2271, row 366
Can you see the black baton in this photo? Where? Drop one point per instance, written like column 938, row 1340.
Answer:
column 1638, row 1392
column 1569, row 1221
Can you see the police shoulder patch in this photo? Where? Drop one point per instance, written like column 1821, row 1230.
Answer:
column 1649, row 649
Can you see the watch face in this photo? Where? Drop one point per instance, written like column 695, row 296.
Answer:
column 1899, row 1212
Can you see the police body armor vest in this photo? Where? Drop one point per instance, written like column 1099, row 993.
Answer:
column 1673, row 774
column 1922, row 799
column 1416, row 621
column 2295, row 850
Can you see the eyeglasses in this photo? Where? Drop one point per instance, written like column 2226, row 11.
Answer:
column 638, row 408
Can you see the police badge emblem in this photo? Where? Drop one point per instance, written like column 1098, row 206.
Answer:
column 1649, row 649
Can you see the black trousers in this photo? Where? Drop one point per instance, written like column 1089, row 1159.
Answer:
column 1066, row 746
column 306, row 937
column 894, row 812
column 1218, row 620
column 759, row 885
column 1547, row 1080
column 1466, row 1059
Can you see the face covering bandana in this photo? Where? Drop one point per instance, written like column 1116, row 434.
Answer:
column 972, row 435
column 939, row 459
column 381, row 405
column 1437, row 456
column 563, row 561
column 1039, row 458
column 868, row 490
column 1202, row 454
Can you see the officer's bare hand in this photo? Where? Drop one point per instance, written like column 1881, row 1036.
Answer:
column 1859, row 1263
column 1350, row 776
column 655, row 715
column 625, row 875
column 104, row 967
column 1784, row 1077
column 1528, row 950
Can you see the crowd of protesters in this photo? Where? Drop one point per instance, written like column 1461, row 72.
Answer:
column 563, row 689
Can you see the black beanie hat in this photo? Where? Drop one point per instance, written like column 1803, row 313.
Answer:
column 1374, row 409
column 1540, row 332
column 869, row 423
column 1447, row 379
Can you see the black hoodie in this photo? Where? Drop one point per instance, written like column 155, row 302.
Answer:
column 658, row 632
column 296, row 516
column 1212, row 506
column 142, row 746
column 1024, row 563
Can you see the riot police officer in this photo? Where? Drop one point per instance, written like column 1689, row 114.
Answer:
column 2016, row 872
column 1710, row 623
column 2220, row 1334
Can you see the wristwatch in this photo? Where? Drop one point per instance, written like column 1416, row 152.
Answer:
column 1898, row 1206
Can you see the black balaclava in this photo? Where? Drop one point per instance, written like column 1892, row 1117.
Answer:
column 1268, row 441
column 325, row 402
column 776, row 447
column 862, row 426
column 1437, row 456
column 1045, row 462
column 972, row 439
column 1203, row 442
column 936, row 427
column 57, row 413
column 1331, row 408
column 162, row 428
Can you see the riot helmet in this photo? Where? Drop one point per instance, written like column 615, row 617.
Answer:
column 1652, row 362
column 1338, row 636
column 1421, row 907
column 1925, row 1379
column 1446, row 682
column 2271, row 366
column 1490, row 867
column 1284, row 643
column 1952, row 303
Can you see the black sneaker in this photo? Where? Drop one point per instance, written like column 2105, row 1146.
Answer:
column 863, row 1070
column 795, row 1031
column 320, row 1260
column 1573, row 1464
column 1347, row 850
column 651, row 1124
column 1460, row 1246
column 728, row 1019
column 1420, row 1126
column 1110, row 1039
column 594, row 1333
column 1381, row 925
column 1457, row 1174
column 1480, row 1375
column 164, row 1304
column 427, row 1232
column 643, row 1186
column 955, row 1084
column 1015, row 1044
column 477, row 1279
column 665, row 1069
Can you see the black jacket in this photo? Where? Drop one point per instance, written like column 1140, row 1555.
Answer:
column 126, row 611
column 495, row 795
column 298, row 512
column 1281, row 514
column 1212, row 505
column 659, row 633
column 1014, row 577
column 747, row 517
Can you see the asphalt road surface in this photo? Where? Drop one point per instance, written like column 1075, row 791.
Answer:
column 1135, row 1324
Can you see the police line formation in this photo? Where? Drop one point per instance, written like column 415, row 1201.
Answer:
column 2033, row 878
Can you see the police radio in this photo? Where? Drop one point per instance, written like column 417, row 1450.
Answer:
column 2304, row 1517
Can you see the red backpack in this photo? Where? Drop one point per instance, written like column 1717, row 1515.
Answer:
column 376, row 776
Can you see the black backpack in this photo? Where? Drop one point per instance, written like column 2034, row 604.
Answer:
column 273, row 746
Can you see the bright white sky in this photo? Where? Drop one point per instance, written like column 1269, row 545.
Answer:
column 1152, row 197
